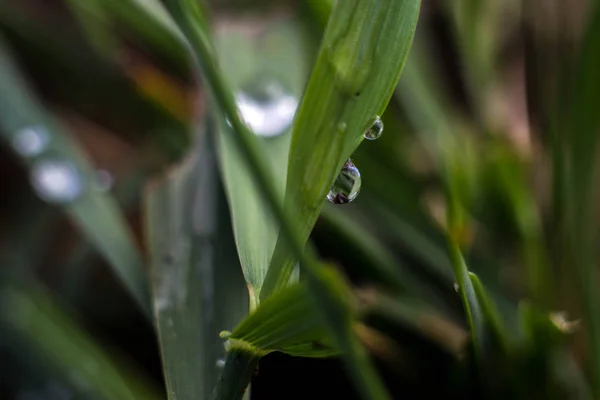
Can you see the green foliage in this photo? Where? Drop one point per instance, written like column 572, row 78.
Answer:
column 463, row 269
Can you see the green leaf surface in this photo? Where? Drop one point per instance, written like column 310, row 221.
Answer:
column 289, row 321
column 61, row 174
column 362, row 54
column 490, row 312
column 197, row 284
column 325, row 285
column 272, row 56
column 469, row 299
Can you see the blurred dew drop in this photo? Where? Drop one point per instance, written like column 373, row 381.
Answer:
column 104, row 180
column 266, row 107
column 56, row 181
column 220, row 363
column 375, row 130
column 31, row 141
column 346, row 185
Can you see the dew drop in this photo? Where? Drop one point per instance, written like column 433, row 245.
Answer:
column 56, row 181
column 266, row 107
column 456, row 287
column 375, row 130
column 31, row 141
column 346, row 185
column 220, row 363
column 104, row 180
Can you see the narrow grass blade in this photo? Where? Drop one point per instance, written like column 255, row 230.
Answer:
column 63, row 176
column 28, row 311
column 362, row 54
column 271, row 60
column 193, row 299
column 327, row 288
column 289, row 322
column 490, row 312
column 469, row 298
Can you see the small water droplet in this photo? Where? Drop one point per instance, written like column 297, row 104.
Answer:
column 346, row 185
column 31, row 141
column 56, row 181
column 456, row 287
column 104, row 180
column 220, row 363
column 375, row 129
column 266, row 107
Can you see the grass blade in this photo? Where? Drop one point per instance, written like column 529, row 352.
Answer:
column 289, row 322
column 62, row 175
column 32, row 315
column 488, row 309
column 469, row 298
column 250, row 61
column 193, row 299
column 325, row 285
column 362, row 54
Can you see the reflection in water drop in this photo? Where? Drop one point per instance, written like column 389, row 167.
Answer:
column 31, row 141
column 220, row 363
column 346, row 185
column 266, row 108
column 104, row 180
column 375, row 130
column 56, row 181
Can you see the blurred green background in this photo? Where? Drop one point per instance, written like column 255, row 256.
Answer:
column 497, row 105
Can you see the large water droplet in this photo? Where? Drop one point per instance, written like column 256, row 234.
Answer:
column 56, row 181
column 31, row 141
column 266, row 107
column 346, row 185
column 375, row 130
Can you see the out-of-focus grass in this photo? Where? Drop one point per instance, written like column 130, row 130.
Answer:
column 512, row 156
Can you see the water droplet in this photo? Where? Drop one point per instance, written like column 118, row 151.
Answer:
column 266, row 107
column 456, row 287
column 104, row 180
column 375, row 130
column 346, row 185
column 31, row 141
column 220, row 363
column 56, row 181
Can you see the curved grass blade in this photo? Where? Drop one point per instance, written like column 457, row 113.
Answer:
column 362, row 54
column 62, row 175
column 289, row 322
column 469, row 298
column 193, row 298
column 326, row 287
column 490, row 312
column 271, row 59
column 42, row 325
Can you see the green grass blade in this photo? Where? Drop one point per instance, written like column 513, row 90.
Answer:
column 273, row 56
column 28, row 311
column 324, row 286
column 469, row 299
column 95, row 213
column 490, row 312
column 362, row 54
column 289, row 322
column 193, row 299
